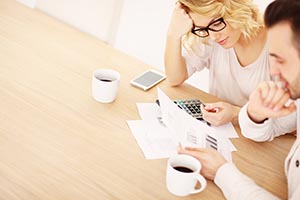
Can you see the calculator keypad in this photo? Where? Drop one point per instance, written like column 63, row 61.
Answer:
column 191, row 106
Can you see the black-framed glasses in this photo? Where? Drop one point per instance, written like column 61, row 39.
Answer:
column 216, row 26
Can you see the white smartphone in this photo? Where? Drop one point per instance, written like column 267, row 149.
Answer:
column 148, row 79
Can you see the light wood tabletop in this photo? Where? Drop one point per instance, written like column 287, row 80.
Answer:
column 57, row 142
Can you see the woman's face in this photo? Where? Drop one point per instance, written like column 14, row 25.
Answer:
column 227, row 37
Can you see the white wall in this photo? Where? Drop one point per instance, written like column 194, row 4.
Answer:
column 137, row 27
column 99, row 18
column 142, row 32
column 143, row 28
column 29, row 3
column 262, row 4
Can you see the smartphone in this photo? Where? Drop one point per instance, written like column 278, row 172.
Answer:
column 148, row 79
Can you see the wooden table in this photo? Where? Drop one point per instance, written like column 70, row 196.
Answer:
column 57, row 142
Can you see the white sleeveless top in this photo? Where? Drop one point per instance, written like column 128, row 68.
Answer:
column 228, row 80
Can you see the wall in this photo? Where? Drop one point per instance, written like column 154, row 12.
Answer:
column 29, row 3
column 99, row 18
column 262, row 4
column 137, row 27
column 142, row 32
column 142, row 29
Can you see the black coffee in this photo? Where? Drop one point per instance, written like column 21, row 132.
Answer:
column 105, row 80
column 183, row 169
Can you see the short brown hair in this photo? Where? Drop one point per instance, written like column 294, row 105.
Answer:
column 285, row 11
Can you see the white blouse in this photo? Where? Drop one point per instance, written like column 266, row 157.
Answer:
column 228, row 80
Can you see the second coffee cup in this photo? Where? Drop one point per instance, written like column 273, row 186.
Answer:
column 183, row 173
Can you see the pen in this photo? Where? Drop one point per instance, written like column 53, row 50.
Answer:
column 213, row 110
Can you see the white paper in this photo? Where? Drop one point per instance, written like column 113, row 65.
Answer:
column 162, row 129
column 227, row 130
column 187, row 130
column 190, row 131
column 154, row 139
column 148, row 110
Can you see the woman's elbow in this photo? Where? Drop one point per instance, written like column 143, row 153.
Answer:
column 173, row 82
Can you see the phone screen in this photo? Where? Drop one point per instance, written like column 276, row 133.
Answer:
column 148, row 79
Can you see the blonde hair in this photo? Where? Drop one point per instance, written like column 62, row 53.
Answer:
column 240, row 14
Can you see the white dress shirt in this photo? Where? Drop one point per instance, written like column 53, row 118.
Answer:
column 236, row 185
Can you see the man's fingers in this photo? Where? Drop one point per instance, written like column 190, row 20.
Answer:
column 264, row 90
column 273, row 96
column 272, row 90
column 193, row 149
column 281, row 101
column 190, row 149
column 288, row 109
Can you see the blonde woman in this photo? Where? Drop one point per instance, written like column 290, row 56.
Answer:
column 227, row 37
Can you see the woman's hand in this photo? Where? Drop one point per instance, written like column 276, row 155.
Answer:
column 181, row 22
column 219, row 113
column 210, row 159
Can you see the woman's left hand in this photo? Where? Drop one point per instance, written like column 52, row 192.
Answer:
column 219, row 113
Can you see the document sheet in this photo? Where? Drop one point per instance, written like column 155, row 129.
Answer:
column 162, row 128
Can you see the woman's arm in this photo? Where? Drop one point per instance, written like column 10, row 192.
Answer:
column 175, row 64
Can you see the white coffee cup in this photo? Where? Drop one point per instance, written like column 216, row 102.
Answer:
column 105, row 83
column 183, row 173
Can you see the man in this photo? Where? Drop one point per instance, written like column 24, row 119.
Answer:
column 269, row 112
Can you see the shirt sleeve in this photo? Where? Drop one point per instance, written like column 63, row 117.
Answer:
column 296, row 194
column 235, row 185
column 197, row 58
column 267, row 130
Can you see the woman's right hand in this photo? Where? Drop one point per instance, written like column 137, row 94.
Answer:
column 181, row 22
column 219, row 113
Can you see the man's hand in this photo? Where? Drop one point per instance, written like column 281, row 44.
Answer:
column 269, row 100
column 210, row 160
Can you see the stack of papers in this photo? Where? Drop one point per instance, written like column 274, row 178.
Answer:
column 152, row 135
column 162, row 128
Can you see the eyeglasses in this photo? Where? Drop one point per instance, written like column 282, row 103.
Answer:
column 215, row 26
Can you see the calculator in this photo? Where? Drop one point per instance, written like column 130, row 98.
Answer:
column 191, row 106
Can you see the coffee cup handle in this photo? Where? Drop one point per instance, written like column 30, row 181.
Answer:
column 203, row 183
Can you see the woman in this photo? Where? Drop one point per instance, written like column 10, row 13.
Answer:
column 228, row 38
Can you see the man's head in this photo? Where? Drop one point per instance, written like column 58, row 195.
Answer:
column 282, row 19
